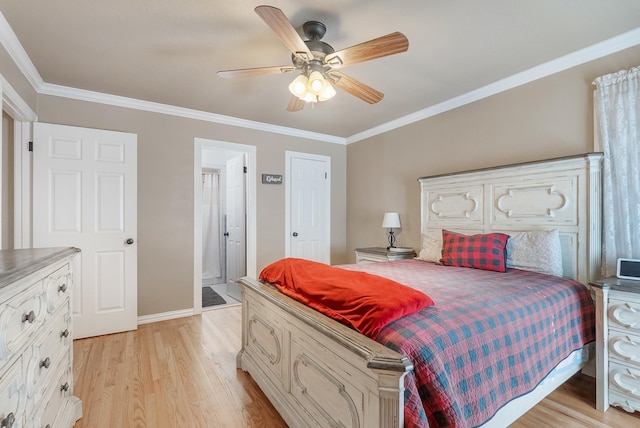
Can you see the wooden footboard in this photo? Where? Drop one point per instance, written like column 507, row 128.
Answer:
column 316, row 371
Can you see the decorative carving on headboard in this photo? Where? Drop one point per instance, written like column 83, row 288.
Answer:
column 454, row 205
column 529, row 202
column 548, row 200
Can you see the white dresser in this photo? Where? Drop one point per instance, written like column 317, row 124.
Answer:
column 36, row 356
column 617, row 344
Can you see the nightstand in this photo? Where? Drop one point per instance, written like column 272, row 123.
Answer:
column 617, row 343
column 381, row 254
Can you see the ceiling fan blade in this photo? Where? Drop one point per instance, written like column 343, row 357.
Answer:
column 295, row 104
column 259, row 71
column 376, row 48
column 279, row 23
column 355, row 88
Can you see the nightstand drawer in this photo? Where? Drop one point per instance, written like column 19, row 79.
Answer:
column 381, row 254
column 370, row 258
column 625, row 381
column 625, row 347
column 624, row 315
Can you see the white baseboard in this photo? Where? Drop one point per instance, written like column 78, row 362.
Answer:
column 146, row 319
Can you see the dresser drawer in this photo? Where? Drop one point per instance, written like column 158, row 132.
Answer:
column 57, row 288
column 49, row 351
column 624, row 381
column 20, row 317
column 12, row 395
column 624, row 315
column 625, row 347
column 57, row 395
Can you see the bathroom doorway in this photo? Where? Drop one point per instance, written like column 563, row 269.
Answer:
column 223, row 226
column 223, row 217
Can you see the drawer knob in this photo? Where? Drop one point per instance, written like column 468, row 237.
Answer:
column 65, row 387
column 45, row 363
column 30, row 317
column 65, row 333
column 8, row 421
column 62, row 288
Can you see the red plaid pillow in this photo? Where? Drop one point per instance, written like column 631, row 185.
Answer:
column 485, row 252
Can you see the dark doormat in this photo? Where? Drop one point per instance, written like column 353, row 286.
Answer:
column 211, row 298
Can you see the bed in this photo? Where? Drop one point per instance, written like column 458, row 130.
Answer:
column 319, row 372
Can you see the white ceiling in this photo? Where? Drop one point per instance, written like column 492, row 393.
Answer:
column 168, row 51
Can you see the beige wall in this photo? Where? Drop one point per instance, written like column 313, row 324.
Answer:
column 548, row 118
column 165, row 191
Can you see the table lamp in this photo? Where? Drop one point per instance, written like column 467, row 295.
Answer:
column 391, row 221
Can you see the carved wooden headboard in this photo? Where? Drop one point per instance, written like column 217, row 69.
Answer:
column 562, row 193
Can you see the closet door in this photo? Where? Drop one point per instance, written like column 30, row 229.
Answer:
column 308, row 210
column 85, row 196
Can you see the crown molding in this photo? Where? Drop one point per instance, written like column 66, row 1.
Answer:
column 590, row 53
column 132, row 103
column 13, row 103
column 15, row 50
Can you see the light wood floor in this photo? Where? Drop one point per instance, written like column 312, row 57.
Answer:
column 182, row 373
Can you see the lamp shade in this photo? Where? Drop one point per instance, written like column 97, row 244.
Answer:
column 299, row 86
column 391, row 220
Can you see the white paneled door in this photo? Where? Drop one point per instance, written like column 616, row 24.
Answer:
column 85, row 196
column 236, row 225
column 308, row 207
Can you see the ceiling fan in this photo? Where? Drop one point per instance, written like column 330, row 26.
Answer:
column 318, row 62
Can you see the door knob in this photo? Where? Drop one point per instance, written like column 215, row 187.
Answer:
column 129, row 241
column 226, row 234
column 295, row 233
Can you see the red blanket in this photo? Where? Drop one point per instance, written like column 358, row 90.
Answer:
column 361, row 300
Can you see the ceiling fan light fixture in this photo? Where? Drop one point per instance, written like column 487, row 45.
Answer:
column 313, row 88
column 327, row 93
column 299, row 86
column 317, row 82
column 309, row 98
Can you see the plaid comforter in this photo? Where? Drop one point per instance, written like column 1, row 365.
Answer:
column 490, row 337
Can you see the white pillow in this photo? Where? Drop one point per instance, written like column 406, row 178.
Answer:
column 431, row 250
column 536, row 251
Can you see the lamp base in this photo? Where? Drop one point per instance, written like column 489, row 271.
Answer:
column 392, row 240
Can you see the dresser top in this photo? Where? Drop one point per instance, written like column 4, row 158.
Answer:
column 16, row 264
column 613, row 283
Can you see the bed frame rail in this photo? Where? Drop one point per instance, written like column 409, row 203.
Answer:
column 314, row 370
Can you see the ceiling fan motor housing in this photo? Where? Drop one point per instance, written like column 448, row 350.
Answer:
column 314, row 31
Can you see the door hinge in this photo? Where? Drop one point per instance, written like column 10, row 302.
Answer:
column 244, row 169
column 325, row 175
column 30, row 146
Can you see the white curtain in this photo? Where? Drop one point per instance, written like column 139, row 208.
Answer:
column 211, row 244
column 617, row 107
